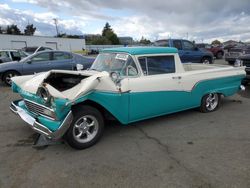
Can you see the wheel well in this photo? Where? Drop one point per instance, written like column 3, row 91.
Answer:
column 106, row 114
column 2, row 75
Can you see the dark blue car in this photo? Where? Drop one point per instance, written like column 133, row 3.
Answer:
column 41, row 62
column 188, row 51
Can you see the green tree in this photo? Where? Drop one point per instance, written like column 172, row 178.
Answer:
column 216, row 43
column 13, row 30
column 101, row 41
column 1, row 31
column 30, row 29
column 109, row 34
column 144, row 41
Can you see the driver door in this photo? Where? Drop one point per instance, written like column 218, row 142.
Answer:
column 157, row 92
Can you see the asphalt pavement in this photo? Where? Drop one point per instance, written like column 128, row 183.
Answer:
column 186, row 149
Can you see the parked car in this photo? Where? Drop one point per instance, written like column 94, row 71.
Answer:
column 245, row 61
column 128, row 84
column 235, row 53
column 217, row 51
column 11, row 55
column 42, row 61
column 188, row 51
column 35, row 49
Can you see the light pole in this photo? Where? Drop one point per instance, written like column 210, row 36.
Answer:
column 56, row 22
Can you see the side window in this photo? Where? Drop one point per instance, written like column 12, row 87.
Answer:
column 177, row 44
column 157, row 65
column 3, row 54
column 188, row 45
column 163, row 43
column 15, row 56
column 61, row 56
column 41, row 57
column 131, row 69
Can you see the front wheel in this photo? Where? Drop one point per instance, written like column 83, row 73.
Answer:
column 210, row 102
column 206, row 60
column 86, row 128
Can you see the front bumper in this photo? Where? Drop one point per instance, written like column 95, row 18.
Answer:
column 39, row 127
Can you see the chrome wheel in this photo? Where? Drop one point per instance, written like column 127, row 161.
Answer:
column 205, row 61
column 212, row 101
column 8, row 77
column 85, row 129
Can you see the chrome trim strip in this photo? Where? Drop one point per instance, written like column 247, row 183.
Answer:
column 39, row 105
column 41, row 129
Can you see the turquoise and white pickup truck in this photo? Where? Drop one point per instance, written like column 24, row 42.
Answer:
column 128, row 84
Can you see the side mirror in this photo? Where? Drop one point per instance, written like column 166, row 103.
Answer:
column 79, row 67
column 29, row 61
column 115, row 77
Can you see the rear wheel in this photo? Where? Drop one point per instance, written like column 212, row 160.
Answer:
column 86, row 128
column 8, row 75
column 210, row 102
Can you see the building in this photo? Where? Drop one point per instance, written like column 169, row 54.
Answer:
column 21, row 41
column 126, row 40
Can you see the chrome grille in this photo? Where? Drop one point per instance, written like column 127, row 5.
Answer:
column 39, row 109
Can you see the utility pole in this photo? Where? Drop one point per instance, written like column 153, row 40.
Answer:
column 187, row 35
column 56, row 22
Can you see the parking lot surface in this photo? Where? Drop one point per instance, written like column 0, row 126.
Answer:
column 186, row 149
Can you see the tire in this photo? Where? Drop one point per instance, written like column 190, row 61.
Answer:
column 206, row 60
column 231, row 62
column 219, row 55
column 8, row 75
column 210, row 102
column 86, row 128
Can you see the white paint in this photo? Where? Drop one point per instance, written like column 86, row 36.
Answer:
column 20, row 41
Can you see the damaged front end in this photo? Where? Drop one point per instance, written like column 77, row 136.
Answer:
column 48, row 98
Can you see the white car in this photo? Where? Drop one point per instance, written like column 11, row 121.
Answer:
column 11, row 55
column 128, row 84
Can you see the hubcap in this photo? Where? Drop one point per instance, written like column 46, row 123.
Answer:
column 212, row 101
column 8, row 78
column 205, row 61
column 85, row 128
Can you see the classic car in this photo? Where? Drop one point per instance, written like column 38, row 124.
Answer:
column 43, row 61
column 11, row 55
column 188, row 51
column 129, row 84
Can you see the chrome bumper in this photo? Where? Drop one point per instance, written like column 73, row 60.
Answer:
column 38, row 127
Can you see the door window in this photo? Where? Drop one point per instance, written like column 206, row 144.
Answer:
column 41, row 57
column 177, row 44
column 157, row 65
column 188, row 45
column 61, row 56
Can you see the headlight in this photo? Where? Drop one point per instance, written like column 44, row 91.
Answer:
column 44, row 94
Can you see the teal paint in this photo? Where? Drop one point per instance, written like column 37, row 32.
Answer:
column 135, row 106
column 141, row 50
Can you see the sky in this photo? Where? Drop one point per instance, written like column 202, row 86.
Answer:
column 199, row 20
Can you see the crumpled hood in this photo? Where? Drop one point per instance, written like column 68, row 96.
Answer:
column 31, row 83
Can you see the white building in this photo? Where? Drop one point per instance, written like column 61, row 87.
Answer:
column 20, row 41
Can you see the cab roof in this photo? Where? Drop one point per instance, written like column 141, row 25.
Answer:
column 142, row 50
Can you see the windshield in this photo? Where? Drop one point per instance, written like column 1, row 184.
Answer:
column 113, row 62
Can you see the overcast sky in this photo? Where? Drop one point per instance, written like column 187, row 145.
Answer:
column 197, row 20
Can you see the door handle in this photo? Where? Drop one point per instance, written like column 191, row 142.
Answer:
column 176, row 77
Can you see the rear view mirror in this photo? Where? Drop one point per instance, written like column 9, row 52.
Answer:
column 79, row 67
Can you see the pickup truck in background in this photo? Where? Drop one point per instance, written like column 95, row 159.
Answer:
column 234, row 53
column 217, row 51
column 188, row 51
column 245, row 61
column 11, row 55
column 128, row 84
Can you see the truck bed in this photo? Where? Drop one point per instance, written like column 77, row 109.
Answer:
column 195, row 66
